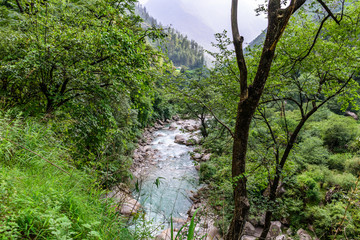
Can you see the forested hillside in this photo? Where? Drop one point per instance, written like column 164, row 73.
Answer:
column 180, row 50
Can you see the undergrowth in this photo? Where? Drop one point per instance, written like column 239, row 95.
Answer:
column 42, row 196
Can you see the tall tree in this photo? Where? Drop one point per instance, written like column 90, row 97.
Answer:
column 250, row 94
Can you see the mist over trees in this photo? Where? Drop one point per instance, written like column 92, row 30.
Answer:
column 180, row 50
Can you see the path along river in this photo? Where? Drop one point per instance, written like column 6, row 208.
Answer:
column 165, row 184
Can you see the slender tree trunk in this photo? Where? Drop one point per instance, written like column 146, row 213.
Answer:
column 203, row 128
column 244, row 115
column 249, row 100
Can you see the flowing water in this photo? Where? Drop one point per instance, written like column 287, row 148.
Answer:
column 166, row 185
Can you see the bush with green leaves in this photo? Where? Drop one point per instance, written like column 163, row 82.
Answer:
column 338, row 132
column 309, row 187
column 352, row 165
column 338, row 161
column 207, row 171
column 312, row 151
column 345, row 180
column 326, row 219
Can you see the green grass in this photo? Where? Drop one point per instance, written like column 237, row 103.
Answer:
column 40, row 201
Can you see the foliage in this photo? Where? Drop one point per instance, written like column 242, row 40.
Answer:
column 86, row 64
column 339, row 133
column 294, row 137
column 352, row 165
column 39, row 200
column 181, row 51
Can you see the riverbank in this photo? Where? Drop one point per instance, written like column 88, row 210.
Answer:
column 165, row 153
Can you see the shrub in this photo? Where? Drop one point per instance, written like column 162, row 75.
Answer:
column 345, row 180
column 337, row 161
column 338, row 132
column 352, row 165
column 325, row 219
column 312, row 151
column 309, row 187
column 207, row 171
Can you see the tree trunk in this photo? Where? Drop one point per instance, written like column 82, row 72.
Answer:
column 244, row 116
column 203, row 127
column 249, row 100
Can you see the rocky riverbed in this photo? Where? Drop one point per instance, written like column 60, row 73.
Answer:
column 165, row 168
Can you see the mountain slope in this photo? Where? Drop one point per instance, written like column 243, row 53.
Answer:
column 191, row 25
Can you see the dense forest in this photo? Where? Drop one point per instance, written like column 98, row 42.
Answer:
column 80, row 82
column 182, row 51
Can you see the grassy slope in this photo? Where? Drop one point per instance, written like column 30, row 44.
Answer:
column 39, row 201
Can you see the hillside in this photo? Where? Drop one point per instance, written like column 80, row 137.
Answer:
column 180, row 49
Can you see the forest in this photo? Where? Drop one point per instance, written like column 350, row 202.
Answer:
column 81, row 82
column 183, row 52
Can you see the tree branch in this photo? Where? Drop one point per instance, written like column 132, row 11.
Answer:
column 238, row 44
column 209, row 109
column 100, row 60
column 314, row 41
column 20, row 7
column 328, row 11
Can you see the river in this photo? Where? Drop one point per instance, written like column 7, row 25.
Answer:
column 165, row 185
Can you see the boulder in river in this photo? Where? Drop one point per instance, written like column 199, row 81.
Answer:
column 172, row 126
column 129, row 207
column 180, row 139
column 189, row 128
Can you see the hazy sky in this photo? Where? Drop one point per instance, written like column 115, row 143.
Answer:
column 216, row 14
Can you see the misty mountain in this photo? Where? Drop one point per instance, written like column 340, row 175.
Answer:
column 176, row 16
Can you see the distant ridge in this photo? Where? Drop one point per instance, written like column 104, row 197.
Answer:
column 182, row 51
column 186, row 23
